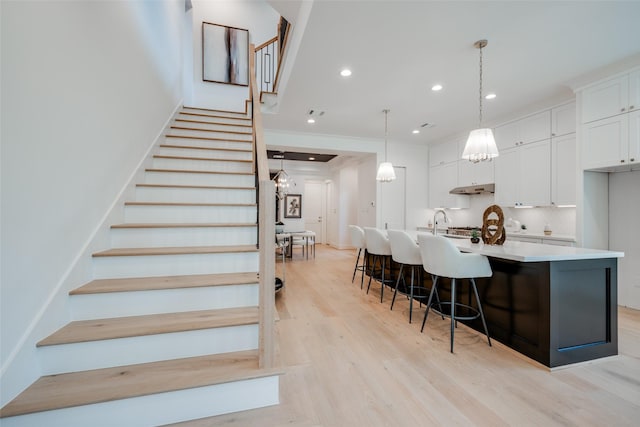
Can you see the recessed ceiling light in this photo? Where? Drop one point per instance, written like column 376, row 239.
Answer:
column 345, row 73
column 436, row 88
column 311, row 120
column 312, row 158
column 415, row 131
column 490, row 96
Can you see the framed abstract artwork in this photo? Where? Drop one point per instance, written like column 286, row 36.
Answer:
column 293, row 206
column 225, row 54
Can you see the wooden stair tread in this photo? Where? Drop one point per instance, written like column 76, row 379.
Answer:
column 183, row 225
column 104, row 385
column 150, row 324
column 195, row 171
column 188, row 204
column 235, row 132
column 181, row 250
column 210, row 138
column 201, row 187
column 214, row 123
column 194, row 147
column 214, row 116
column 161, row 156
column 165, row 282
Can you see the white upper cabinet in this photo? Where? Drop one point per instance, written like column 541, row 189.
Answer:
column 523, row 175
column 563, row 170
column 443, row 153
column 634, row 139
column 563, row 119
column 611, row 97
column 536, row 127
column 470, row 173
column 442, row 179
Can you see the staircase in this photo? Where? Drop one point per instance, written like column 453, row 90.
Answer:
column 169, row 330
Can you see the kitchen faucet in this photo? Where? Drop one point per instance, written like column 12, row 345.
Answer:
column 435, row 223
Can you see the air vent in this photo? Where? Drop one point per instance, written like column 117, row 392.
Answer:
column 315, row 113
column 427, row 125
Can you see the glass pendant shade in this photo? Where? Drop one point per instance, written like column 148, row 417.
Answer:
column 481, row 146
column 386, row 172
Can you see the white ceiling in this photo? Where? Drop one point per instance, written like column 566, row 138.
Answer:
column 398, row 49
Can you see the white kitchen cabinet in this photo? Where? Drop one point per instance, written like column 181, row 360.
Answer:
column 527, row 239
column 523, row 175
column 563, row 170
column 536, row 127
column 470, row 173
column 442, row 179
column 612, row 143
column 557, row 242
column 611, row 97
column 563, row 119
column 443, row 153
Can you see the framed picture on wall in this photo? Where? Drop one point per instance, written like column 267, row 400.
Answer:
column 225, row 54
column 293, row 206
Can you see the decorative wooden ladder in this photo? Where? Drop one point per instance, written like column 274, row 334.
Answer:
column 174, row 326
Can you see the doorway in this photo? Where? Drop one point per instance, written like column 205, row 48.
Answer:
column 314, row 209
column 394, row 198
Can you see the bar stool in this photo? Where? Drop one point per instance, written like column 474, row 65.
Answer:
column 357, row 240
column 405, row 251
column 441, row 258
column 378, row 246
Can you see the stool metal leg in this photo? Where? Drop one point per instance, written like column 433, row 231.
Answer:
column 364, row 267
column 397, row 283
column 434, row 285
column 373, row 266
column 384, row 264
column 356, row 267
column 484, row 323
column 413, row 270
column 453, row 310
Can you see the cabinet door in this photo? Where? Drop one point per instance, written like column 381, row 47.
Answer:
column 535, row 174
column 443, row 179
column 605, row 99
column 475, row 173
column 563, row 119
column 535, row 128
column 443, row 153
column 634, row 137
column 558, row 242
column 506, row 136
column 507, row 172
column 634, row 91
column 605, row 142
column 563, row 170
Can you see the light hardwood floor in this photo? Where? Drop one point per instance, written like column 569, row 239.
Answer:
column 350, row 361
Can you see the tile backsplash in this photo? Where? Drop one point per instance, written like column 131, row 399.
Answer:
column 561, row 220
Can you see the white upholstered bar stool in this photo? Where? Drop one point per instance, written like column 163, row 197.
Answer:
column 405, row 251
column 357, row 240
column 378, row 246
column 441, row 258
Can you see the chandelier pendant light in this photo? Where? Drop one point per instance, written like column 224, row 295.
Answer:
column 481, row 144
column 385, row 170
column 282, row 181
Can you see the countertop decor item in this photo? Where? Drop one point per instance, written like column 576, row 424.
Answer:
column 547, row 230
column 475, row 236
column 493, row 232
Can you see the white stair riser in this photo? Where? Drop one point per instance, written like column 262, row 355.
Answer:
column 82, row 356
column 138, row 303
column 217, row 119
column 214, row 126
column 194, row 195
column 167, row 265
column 185, row 178
column 182, row 236
column 209, row 154
column 162, row 408
column 209, row 143
column 218, row 134
column 185, row 214
column 202, row 165
column 218, row 114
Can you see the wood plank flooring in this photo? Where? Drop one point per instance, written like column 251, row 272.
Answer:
column 350, row 361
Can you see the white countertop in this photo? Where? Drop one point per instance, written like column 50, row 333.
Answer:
column 553, row 236
column 533, row 252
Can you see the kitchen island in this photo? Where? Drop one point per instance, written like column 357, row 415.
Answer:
column 554, row 304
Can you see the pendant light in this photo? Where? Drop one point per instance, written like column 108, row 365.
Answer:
column 480, row 145
column 385, row 170
column 281, row 180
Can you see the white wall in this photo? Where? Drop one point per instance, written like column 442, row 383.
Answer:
column 253, row 15
column 624, row 233
column 86, row 89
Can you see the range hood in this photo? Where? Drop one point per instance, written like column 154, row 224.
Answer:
column 474, row 189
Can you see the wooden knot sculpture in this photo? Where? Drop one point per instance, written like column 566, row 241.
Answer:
column 493, row 232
